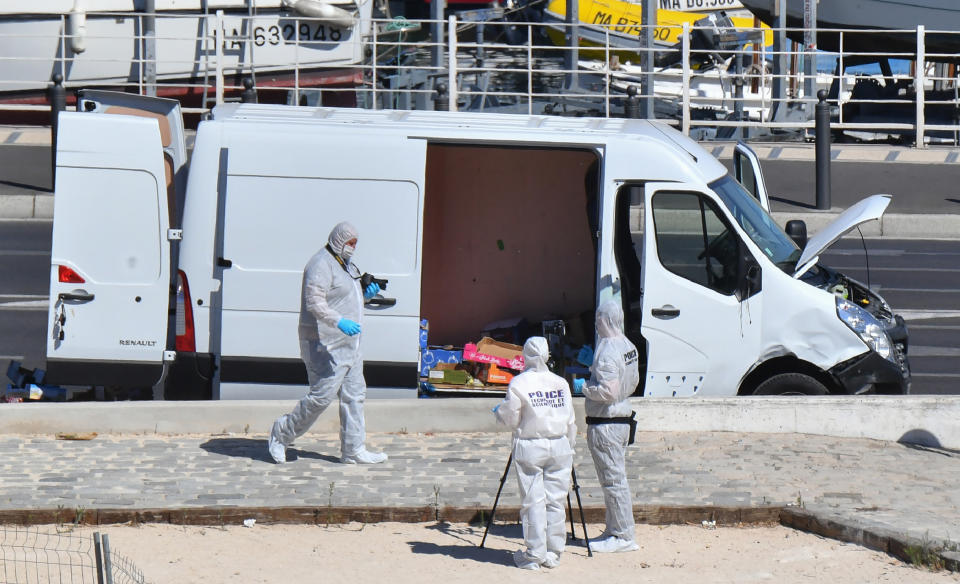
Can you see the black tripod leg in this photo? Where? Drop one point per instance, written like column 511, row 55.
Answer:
column 497, row 499
column 583, row 520
column 573, row 532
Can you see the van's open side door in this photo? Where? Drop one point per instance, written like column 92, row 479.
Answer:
column 747, row 171
column 110, row 258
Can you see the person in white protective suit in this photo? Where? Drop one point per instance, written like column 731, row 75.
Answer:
column 614, row 376
column 330, row 321
column 539, row 408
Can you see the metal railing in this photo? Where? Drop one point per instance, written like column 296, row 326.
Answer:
column 508, row 66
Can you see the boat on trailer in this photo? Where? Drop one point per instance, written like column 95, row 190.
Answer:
column 105, row 43
column 875, row 26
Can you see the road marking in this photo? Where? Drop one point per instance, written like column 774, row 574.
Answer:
column 888, row 269
column 922, row 351
column 920, row 290
column 25, row 305
column 12, row 357
column 927, row 314
column 26, row 252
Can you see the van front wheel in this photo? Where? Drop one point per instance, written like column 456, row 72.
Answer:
column 791, row 384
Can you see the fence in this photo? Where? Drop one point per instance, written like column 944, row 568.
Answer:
column 54, row 555
column 734, row 86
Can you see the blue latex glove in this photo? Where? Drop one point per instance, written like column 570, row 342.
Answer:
column 585, row 356
column 348, row 327
column 372, row 290
column 578, row 384
column 496, row 407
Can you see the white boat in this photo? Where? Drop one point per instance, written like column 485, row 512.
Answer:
column 711, row 91
column 102, row 43
column 879, row 16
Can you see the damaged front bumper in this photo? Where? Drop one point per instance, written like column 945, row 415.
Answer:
column 870, row 373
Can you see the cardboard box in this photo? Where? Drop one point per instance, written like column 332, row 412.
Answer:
column 493, row 375
column 432, row 356
column 496, row 352
column 448, row 373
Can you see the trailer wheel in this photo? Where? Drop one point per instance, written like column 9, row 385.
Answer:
column 791, row 384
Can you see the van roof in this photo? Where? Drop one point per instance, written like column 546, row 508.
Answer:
column 436, row 119
column 442, row 124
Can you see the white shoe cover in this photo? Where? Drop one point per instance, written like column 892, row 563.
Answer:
column 277, row 451
column 612, row 545
column 520, row 559
column 364, row 457
column 552, row 561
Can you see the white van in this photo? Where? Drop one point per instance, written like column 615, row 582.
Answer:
column 190, row 281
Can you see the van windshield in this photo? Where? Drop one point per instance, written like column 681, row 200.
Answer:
column 757, row 224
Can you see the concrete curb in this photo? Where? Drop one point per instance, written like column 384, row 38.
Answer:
column 868, row 534
column 646, row 514
column 926, row 420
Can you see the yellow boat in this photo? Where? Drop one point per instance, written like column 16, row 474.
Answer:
column 619, row 23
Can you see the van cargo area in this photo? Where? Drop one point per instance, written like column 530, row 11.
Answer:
column 507, row 236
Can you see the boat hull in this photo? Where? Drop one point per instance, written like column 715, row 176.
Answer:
column 858, row 16
column 618, row 24
column 35, row 48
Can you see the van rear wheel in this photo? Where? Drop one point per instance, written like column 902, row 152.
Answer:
column 791, row 384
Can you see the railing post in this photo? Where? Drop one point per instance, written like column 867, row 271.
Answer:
column 452, row 63
column 530, row 69
column 685, row 56
column 219, row 69
column 373, row 63
column 437, row 8
column 648, row 28
column 823, row 150
column 97, row 552
column 919, row 80
column 150, row 47
column 58, row 103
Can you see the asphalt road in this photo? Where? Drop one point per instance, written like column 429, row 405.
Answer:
column 919, row 278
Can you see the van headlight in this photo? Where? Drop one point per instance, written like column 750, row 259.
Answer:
column 864, row 324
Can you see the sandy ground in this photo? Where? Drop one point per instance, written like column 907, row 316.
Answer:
column 400, row 553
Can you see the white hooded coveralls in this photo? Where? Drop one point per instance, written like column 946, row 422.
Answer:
column 538, row 407
column 334, row 364
column 614, row 377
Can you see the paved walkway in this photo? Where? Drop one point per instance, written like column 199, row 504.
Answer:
column 855, row 489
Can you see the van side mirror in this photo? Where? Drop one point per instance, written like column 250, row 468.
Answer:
column 752, row 280
column 797, row 230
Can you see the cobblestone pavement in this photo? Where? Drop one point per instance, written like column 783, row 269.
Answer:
column 909, row 490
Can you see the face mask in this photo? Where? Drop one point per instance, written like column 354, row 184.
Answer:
column 347, row 252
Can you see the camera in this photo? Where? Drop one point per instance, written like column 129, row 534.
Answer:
column 366, row 279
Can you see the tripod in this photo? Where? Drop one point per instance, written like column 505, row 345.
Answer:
column 576, row 489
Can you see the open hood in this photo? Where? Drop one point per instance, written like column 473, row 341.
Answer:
column 866, row 210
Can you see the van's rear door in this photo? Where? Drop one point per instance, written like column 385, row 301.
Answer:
column 278, row 206
column 110, row 259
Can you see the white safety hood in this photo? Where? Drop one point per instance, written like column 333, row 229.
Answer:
column 866, row 210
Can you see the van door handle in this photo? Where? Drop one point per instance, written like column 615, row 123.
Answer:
column 665, row 312
column 76, row 296
column 224, row 263
column 381, row 301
